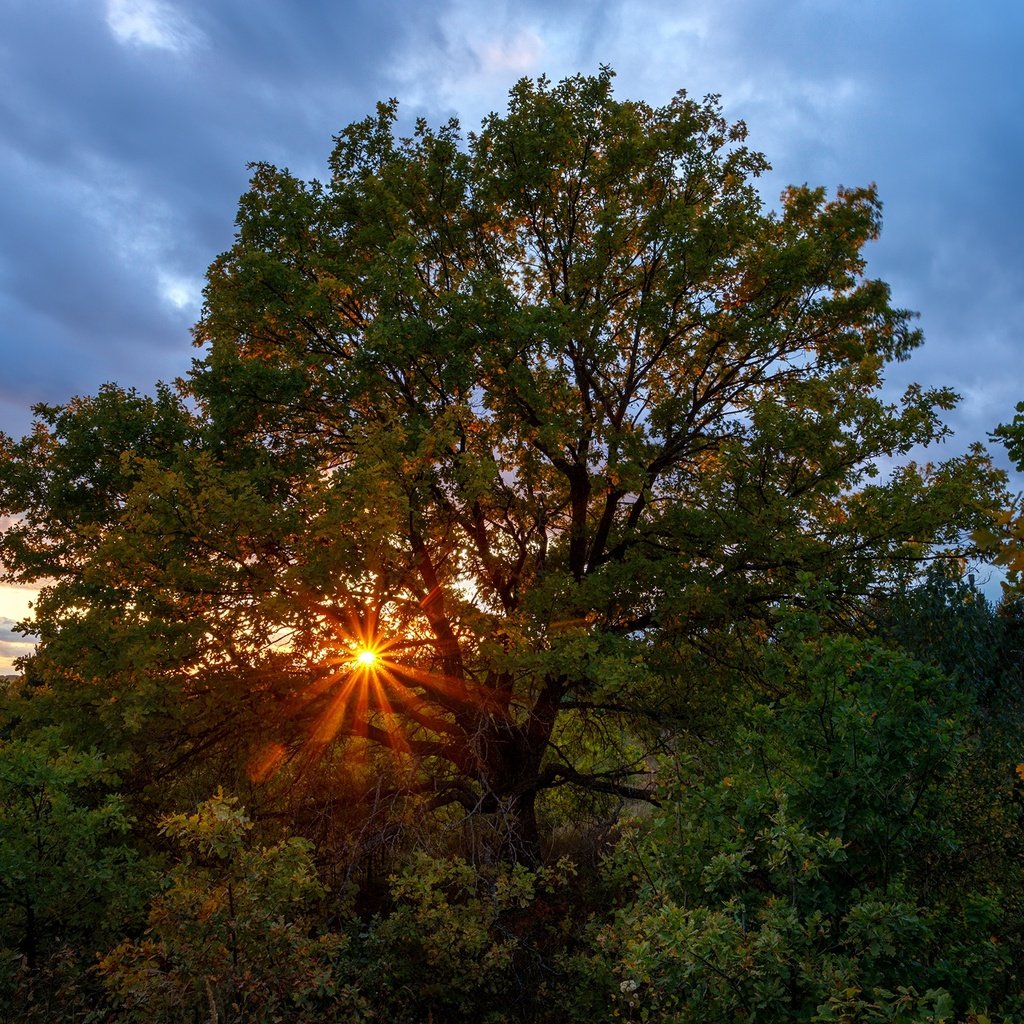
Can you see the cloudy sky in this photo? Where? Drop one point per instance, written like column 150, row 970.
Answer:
column 126, row 126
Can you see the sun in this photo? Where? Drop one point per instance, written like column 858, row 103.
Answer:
column 367, row 658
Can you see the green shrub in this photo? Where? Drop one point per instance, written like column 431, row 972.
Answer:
column 469, row 943
column 799, row 876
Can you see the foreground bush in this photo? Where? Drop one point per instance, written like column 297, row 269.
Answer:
column 233, row 937
column 241, row 934
column 820, row 872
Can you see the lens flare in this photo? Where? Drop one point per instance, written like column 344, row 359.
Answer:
column 370, row 684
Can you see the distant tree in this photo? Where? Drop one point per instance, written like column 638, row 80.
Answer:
column 1005, row 538
column 943, row 619
column 543, row 425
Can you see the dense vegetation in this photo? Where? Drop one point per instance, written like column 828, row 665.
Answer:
column 508, row 619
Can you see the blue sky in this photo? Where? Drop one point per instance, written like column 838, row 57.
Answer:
column 126, row 126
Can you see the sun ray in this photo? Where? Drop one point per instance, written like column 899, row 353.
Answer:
column 266, row 762
column 329, row 723
column 372, row 678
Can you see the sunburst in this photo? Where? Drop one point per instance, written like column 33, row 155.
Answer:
column 372, row 683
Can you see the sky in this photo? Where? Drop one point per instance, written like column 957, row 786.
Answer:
column 126, row 127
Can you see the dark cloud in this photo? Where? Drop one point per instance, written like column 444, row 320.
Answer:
column 125, row 127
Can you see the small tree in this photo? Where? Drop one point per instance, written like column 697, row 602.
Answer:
column 1006, row 537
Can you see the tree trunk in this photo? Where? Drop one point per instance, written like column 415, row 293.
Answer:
column 520, row 835
column 511, row 756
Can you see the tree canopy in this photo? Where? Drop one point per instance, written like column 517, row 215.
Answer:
column 555, row 419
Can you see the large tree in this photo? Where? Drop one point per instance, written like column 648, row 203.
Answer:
column 551, row 420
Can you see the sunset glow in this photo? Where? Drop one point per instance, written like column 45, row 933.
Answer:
column 369, row 680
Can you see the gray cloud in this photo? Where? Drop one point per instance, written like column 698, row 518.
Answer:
column 125, row 127
column 124, row 133
column 12, row 644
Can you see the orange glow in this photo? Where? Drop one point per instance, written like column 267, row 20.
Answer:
column 266, row 762
column 370, row 682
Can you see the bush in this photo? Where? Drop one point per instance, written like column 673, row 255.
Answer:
column 71, row 880
column 800, row 876
column 233, row 937
column 465, row 943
